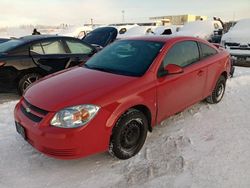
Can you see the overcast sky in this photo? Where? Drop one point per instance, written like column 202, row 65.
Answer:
column 55, row 12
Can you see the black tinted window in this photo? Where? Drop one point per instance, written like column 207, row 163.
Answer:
column 99, row 38
column 126, row 57
column 207, row 50
column 182, row 54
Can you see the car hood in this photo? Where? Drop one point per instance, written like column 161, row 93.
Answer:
column 237, row 37
column 74, row 87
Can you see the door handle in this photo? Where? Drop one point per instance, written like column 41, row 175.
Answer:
column 200, row 73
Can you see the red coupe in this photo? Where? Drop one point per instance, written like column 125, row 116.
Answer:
column 120, row 94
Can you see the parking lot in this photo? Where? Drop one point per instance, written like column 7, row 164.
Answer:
column 125, row 94
column 204, row 146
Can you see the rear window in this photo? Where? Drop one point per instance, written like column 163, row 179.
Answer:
column 207, row 50
column 9, row 45
column 99, row 38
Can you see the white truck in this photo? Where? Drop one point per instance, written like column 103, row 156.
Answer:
column 204, row 29
column 237, row 42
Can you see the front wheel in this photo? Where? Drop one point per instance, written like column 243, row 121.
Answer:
column 218, row 91
column 129, row 134
column 26, row 81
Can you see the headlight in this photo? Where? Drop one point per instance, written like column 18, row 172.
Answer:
column 75, row 116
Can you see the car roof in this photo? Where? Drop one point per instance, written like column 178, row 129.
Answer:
column 31, row 38
column 104, row 29
column 162, row 38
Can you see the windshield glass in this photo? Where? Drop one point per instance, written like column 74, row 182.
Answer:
column 9, row 45
column 126, row 57
column 99, row 38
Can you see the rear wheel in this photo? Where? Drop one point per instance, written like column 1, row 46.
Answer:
column 218, row 91
column 129, row 134
column 26, row 81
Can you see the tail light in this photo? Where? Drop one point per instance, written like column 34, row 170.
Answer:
column 2, row 63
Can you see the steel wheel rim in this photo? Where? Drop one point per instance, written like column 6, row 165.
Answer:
column 29, row 81
column 220, row 92
column 131, row 135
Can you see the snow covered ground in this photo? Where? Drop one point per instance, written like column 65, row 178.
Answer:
column 205, row 146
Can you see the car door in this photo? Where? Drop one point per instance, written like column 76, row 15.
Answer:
column 49, row 55
column 178, row 91
column 79, row 52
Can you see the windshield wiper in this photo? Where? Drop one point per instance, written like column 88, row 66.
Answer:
column 125, row 73
column 99, row 68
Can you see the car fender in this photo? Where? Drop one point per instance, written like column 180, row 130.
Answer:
column 224, row 67
column 123, row 107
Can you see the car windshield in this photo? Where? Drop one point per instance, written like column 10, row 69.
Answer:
column 9, row 45
column 99, row 38
column 126, row 57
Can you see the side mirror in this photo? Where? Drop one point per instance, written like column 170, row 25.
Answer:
column 173, row 69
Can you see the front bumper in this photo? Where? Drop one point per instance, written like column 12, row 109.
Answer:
column 240, row 57
column 65, row 143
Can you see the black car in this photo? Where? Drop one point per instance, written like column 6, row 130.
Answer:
column 101, row 37
column 25, row 60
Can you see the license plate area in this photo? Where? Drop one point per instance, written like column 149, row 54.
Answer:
column 20, row 129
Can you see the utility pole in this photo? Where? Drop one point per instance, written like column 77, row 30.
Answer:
column 123, row 16
column 92, row 22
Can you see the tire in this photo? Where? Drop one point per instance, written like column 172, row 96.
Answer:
column 26, row 81
column 218, row 91
column 232, row 71
column 128, row 135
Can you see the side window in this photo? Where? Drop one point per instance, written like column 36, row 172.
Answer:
column 53, row 47
column 36, row 49
column 182, row 54
column 207, row 50
column 78, row 48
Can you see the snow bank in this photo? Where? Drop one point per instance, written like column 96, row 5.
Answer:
column 136, row 31
column 77, row 32
column 204, row 146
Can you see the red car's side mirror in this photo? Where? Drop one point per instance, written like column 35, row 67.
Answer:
column 173, row 69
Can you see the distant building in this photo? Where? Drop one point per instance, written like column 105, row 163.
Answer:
column 177, row 19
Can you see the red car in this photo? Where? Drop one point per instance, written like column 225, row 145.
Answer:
column 119, row 95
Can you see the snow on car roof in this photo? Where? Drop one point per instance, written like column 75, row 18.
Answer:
column 243, row 24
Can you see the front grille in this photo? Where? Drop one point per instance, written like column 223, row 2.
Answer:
column 232, row 44
column 30, row 115
column 240, row 48
column 32, row 112
column 39, row 110
column 60, row 152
